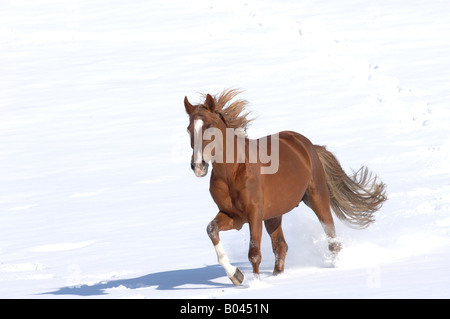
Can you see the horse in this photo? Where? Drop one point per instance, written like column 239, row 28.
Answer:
column 245, row 193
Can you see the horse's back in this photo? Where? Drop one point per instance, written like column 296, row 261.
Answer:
column 285, row 189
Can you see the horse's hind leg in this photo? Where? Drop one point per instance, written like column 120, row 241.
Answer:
column 317, row 198
column 220, row 223
column 279, row 246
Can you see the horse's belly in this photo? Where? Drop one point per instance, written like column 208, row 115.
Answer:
column 285, row 189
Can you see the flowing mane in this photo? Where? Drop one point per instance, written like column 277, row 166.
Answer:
column 234, row 114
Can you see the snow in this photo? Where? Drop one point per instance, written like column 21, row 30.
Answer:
column 97, row 199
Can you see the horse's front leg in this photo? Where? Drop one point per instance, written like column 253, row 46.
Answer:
column 220, row 223
column 254, row 252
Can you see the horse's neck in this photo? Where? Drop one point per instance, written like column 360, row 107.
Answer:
column 235, row 153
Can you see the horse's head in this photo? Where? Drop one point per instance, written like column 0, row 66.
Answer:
column 201, row 117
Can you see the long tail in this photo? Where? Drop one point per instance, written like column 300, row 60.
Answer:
column 355, row 198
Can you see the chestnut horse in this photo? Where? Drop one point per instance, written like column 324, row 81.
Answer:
column 245, row 194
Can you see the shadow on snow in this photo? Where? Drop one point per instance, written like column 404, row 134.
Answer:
column 165, row 280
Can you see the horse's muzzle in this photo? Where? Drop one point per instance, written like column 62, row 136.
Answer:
column 200, row 169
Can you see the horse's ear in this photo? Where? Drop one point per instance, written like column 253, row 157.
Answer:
column 209, row 103
column 189, row 107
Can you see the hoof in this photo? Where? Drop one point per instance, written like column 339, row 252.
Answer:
column 334, row 246
column 237, row 278
column 277, row 272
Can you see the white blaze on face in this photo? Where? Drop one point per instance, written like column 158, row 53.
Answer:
column 198, row 125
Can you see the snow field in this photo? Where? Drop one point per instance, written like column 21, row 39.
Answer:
column 97, row 199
